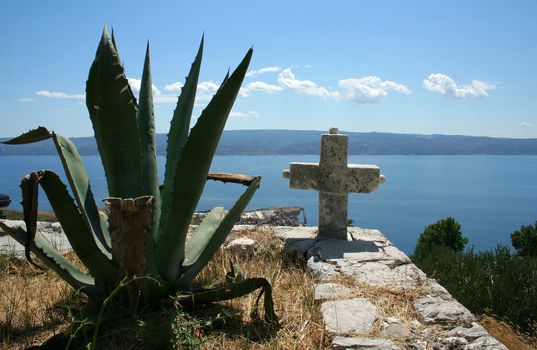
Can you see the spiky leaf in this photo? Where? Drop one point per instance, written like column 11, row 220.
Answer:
column 112, row 109
column 34, row 135
column 179, row 126
column 191, row 172
column 212, row 236
column 54, row 260
column 77, row 230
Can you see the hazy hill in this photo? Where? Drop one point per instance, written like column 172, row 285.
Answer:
column 279, row 142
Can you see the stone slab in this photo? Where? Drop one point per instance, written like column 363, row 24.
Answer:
column 349, row 316
column 242, row 247
column 329, row 291
column 357, row 251
column 345, row 343
column 440, row 311
column 386, row 274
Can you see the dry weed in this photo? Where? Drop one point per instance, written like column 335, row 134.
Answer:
column 508, row 334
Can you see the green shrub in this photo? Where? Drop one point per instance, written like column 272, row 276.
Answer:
column 443, row 233
column 492, row 282
column 525, row 240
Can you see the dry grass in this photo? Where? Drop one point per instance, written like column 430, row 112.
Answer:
column 35, row 304
column 508, row 335
column 29, row 299
column 29, row 312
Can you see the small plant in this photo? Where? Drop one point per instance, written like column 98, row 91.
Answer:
column 445, row 232
column 143, row 234
column 525, row 240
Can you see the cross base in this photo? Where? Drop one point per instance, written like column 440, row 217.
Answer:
column 333, row 215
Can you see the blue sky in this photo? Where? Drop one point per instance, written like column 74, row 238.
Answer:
column 450, row 67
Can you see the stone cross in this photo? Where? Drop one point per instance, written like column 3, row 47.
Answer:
column 334, row 179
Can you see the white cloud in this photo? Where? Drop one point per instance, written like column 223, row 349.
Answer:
column 245, row 115
column 445, row 86
column 368, row 89
column 264, row 87
column 53, row 94
column 287, row 79
column 271, row 69
column 527, row 125
column 26, row 100
column 174, row 86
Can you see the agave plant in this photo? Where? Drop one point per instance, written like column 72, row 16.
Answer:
column 144, row 232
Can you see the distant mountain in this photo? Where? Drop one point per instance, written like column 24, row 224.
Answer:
column 280, row 142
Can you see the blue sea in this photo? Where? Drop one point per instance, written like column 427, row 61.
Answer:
column 490, row 196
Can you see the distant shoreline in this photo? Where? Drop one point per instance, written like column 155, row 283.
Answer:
column 298, row 142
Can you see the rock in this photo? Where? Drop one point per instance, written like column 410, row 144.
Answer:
column 386, row 274
column 330, row 291
column 321, row 269
column 349, row 316
column 365, row 234
column 438, row 310
column 344, row 343
column 485, row 343
column 455, row 342
column 394, row 328
column 242, row 247
column 469, row 333
column 358, row 251
column 286, row 233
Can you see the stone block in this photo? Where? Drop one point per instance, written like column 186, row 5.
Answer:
column 438, row 310
column 349, row 316
column 346, row 343
column 242, row 247
column 330, row 291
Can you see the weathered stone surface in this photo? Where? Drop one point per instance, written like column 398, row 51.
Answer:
column 344, row 343
column 349, row 316
column 321, row 269
column 386, row 274
column 485, row 343
column 288, row 232
column 394, row 328
column 357, row 251
column 242, row 247
column 329, row 291
column 366, row 234
column 469, row 333
column 438, row 310
column 51, row 231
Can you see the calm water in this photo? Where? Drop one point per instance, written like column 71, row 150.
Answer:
column 491, row 196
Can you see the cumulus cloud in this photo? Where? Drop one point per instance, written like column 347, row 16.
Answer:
column 174, row 86
column 368, row 89
column 307, row 87
column 264, row 87
column 445, row 86
column 527, row 125
column 54, row 94
column 26, row 100
column 158, row 96
column 245, row 115
column 271, row 69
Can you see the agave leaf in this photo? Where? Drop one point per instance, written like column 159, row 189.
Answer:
column 30, row 190
column 211, row 238
column 179, row 127
column 150, row 186
column 236, row 290
column 112, row 109
column 34, row 135
column 195, row 246
column 191, row 173
column 77, row 230
column 57, row 262
column 79, row 181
